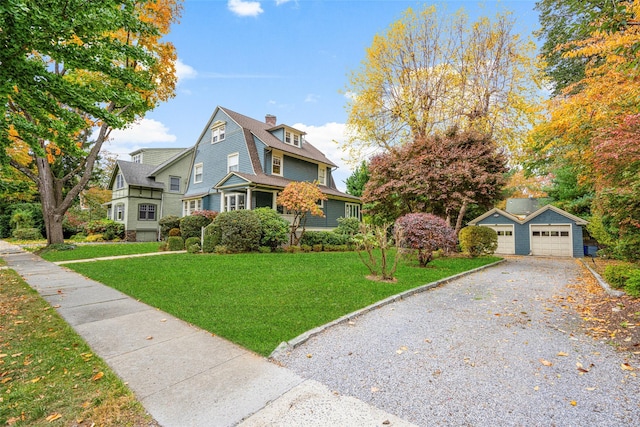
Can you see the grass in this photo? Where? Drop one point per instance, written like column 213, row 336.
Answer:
column 97, row 250
column 48, row 375
column 261, row 300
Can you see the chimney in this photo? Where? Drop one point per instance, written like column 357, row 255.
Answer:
column 270, row 119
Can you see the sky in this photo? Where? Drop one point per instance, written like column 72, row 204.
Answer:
column 288, row 58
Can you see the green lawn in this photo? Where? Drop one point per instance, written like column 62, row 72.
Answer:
column 97, row 250
column 260, row 300
column 48, row 374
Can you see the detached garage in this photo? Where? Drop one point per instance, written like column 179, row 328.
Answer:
column 549, row 231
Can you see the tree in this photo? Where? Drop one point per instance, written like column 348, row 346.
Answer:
column 429, row 72
column 70, row 67
column 301, row 199
column 424, row 234
column 442, row 175
column 357, row 180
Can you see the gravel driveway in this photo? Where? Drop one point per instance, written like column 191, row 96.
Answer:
column 498, row 347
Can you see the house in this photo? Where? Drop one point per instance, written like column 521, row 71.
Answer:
column 528, row 230
column 147, row 188
column 243, row 163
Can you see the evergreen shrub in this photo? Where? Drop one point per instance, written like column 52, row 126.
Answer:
column 167, row 224
column 478, row 240
column 176, row 243
column 238, row 231
column 632, row 287
column 275, row 229
column 192, row 241
column 617, row 275
column 27, row 234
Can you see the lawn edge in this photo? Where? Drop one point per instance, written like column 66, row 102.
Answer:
column 603, row 284
column 287, row 346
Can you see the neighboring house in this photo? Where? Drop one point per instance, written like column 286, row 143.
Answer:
column 148, row 188
column 242, row 163
column 547, row 231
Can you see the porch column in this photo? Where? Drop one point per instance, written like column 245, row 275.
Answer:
column 248, row 201
column 274, row 204
column 222, row 201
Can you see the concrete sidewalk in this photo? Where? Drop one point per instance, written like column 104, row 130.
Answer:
column 183, row 375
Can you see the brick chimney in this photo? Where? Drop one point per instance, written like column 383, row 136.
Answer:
column 270, row 119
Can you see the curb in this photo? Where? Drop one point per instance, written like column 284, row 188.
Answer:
column 602, row 282
column 286, row 346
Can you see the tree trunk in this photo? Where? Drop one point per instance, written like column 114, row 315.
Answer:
column 463, row 211
column 50, row 197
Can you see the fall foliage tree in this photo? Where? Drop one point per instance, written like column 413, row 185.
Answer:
column 300, row 199
column 71, row 67
column 430, row 72
column 441, row 174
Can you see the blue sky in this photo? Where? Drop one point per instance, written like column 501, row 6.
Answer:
column 289, row 58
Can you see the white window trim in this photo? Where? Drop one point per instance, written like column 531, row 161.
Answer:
column 218, row 133
column 322, row 179
column 281, row 157
column 349, row 208
column 237, row 164
column 186, row 210
column 195, row 173
column 235, row 196
column 119, row 212
column 119, row 181
column 296, row 137
column 137, row 158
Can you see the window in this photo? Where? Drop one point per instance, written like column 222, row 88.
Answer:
column 564, row 234
column 322, row 175
column 174, row 184
column 197, row 173
column 232, row 162
column 276, row 164
column 235, row 202
column 287, row 137
column 217, row 134
column 296, row 140
column 119, row 212
column 119, row 181
column 190, row 206
column 352, row 210
column 536, row 233
column 109, row 215
column 137, row 158
column 146, row 212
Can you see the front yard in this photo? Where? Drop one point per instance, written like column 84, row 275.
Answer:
column 260, row 300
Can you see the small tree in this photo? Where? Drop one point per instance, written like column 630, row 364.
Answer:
column 424, row 234
column 373, row 237
column 300, row 199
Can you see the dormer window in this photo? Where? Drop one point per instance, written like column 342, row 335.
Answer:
column 296, row 140
column 217, row 132
column 287, row 137
column 276, row 164
column 137, row 158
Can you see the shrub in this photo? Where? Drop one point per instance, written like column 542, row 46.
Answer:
column 292, row 249
column 27, row 234
column 477, row 241
column 367, row 240
column 209, row 242
column 275, row 229
column 313, row 238
column 221, row 250
column 163, row 247
column 348, row 226
column 21, row 219
column 191, row 225
column 192, row 241
column 423, row 234
column 108, row 228
column 174, row 232
column 167, row 224
column 617, row 275
column 632, row 287
column 317, row 248
column 238, row 231
column 305, row 248
column 193, row 248
column 264, row 249
column 175, row 243
column 95, row 238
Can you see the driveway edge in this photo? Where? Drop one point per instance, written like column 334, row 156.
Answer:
column 601, row 281
column 286, row 346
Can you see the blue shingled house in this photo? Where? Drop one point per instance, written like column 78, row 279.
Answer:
column 242, row 163
column 547, row 231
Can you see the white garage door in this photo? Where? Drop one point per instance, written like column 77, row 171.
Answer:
column 554, row 240
column 506, row 239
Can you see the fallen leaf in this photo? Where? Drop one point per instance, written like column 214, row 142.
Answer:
column 563, row 354
column 163, row 320
column 53, row 417
column 573, row 403
column 5, row 380
column 626, row 367
column 97, row 376
column 86, row 404
column 536, row 388
column 36, row 379
column 399, row 351
column 590, row 388
column 374, row 389
column 149, row 337
column 545, row 362
column 3, row 355
column 309, row 356
column 427, row 340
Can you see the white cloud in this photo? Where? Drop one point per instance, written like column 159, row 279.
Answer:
column 324, row 139
column 184, row 71
column 279, row 2
column 143, row 133
column 312, row 98
column 245, row 8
